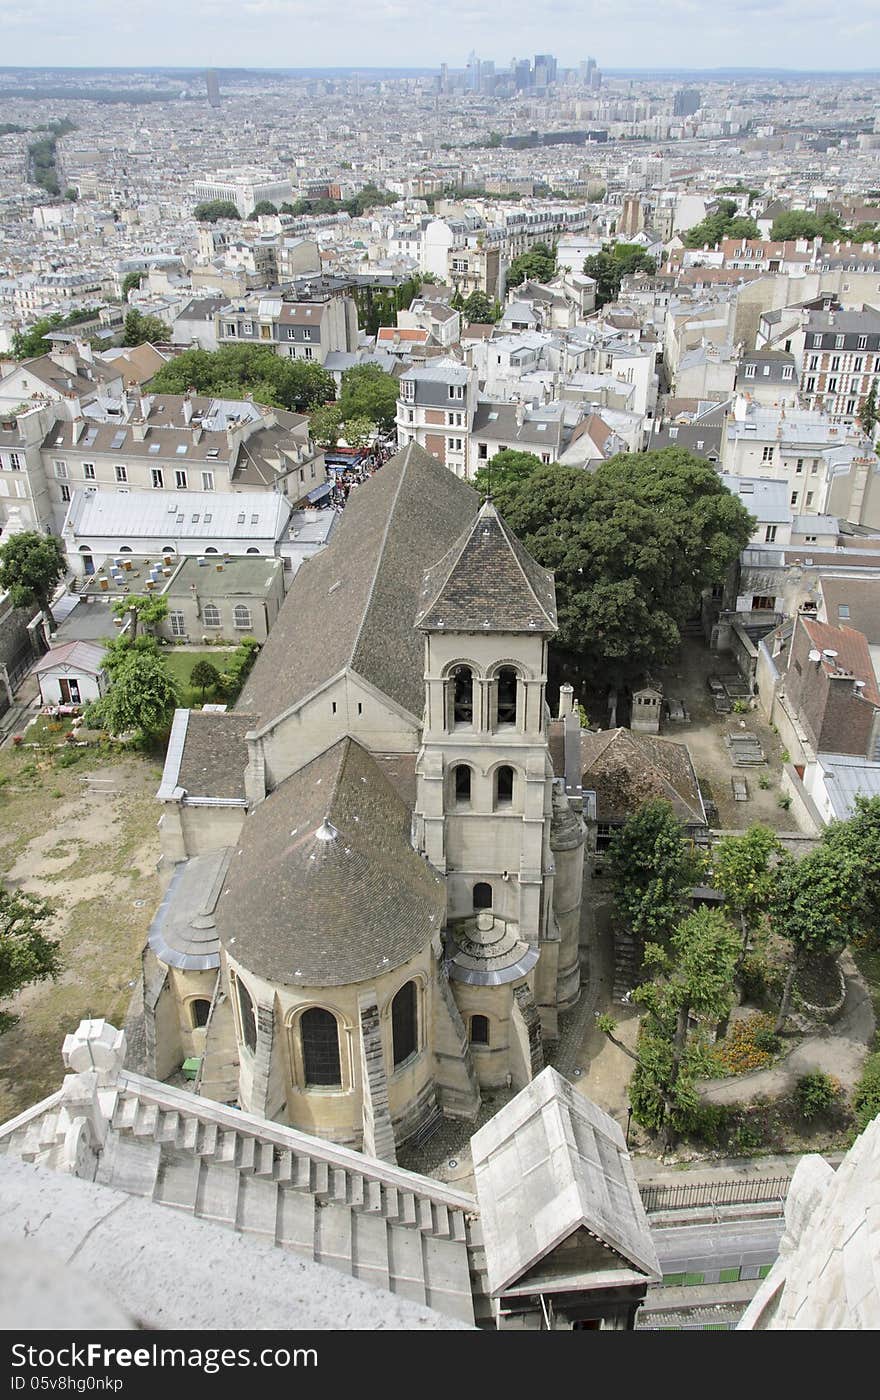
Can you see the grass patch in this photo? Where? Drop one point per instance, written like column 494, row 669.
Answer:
column 46, row 730
column 867, row 960
column 180, row 664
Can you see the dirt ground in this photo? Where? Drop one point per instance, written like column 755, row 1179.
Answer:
column 85, row 837
column 704, row 734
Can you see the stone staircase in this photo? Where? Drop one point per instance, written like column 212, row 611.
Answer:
column 375, row 1221
column 627, row 965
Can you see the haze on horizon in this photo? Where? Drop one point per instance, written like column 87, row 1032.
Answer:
column 801, row 35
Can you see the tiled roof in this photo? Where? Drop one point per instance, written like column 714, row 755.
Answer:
column 325, row 888
column 214, row 754
column 626, row 769
column 354, row 604
column 852, row 654
column 487, row 582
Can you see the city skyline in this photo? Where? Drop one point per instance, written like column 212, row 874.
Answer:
column 751, row 34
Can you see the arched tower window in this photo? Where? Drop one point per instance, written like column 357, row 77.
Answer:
column 508, row 687
column 319, row 1033
column 482, row 895
column 503, row 786
column 479, row 1030
column 462, row 695
column 248, row 1016
column 199, row 1010
column 461, row 783
column 404, row 1028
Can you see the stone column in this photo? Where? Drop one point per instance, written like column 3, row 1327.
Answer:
column 378, row 1130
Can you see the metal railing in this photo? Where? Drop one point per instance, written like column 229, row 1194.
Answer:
column 707, row 1194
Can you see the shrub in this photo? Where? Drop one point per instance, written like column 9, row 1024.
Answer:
column 815, row 1093
column 785, row 756
column 709, row 1123
column 758, row 978
column 783, row 801
column 67, row 758
column 740, row 707
column 764, row 782
column 866, row 1099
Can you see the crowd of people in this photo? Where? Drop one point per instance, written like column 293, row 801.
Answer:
column 362, row 467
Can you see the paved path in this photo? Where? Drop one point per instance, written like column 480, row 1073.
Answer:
column 838, row 1050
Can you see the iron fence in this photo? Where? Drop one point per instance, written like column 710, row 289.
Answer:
column 745, row 1191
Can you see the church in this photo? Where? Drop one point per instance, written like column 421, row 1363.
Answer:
column 374, row 880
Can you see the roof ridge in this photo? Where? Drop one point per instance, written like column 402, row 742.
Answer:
column 515, row 547
column 460, row 545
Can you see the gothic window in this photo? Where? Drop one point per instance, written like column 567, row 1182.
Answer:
column 462, row 695
column 462, row 783
column 404, row 1039
column 479, row 1030
column 508, row 681
column 482, row 896
column 320, row 1048
column 503, row 786
column 199, row 1008
column 248, row 1017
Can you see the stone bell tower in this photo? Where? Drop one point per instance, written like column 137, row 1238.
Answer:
column 484, row 800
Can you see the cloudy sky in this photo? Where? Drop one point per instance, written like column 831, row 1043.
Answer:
column 805, row 34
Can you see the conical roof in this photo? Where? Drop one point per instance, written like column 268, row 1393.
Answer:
column 487, row 582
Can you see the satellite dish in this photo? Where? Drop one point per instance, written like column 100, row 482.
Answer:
column 815, row 655
column 829, row 655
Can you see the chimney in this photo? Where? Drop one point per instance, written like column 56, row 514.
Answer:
column 196, row 435
column 566, row 701
column 79, row 427
column 187, row 409
column 139, row 431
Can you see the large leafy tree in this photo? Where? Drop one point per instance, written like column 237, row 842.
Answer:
column 725, row 222
column 30, row 567
column 480, row 309
column 142, row 697
column 130, row 282
column 651, row 866
column 633, row 546
column 27, row 344
column 537, row 265
column 857, row 842
column 693, row 977
column 814, row 903
column 142, row 330
column 235, row 370
column 799, row 223
column 612, row 264
column 368, row 392
column 26, row 954
column 743, row 868
column 507, row 468
column 211, row 210
column 140, row 610
column 868, row 415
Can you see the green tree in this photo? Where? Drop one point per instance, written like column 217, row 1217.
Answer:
column 742, row 867
column 798, row 223
column 26, row 954
column 27, row 344
column 725, row 222
column 368, row 392
column 507, row 468
column 537, row 265
column 213, row 209
column 143, row 330
column 262, row 206
column 142, row 697
column 868, row 415
column 693, row 977
column 234, row 370
column 144, row 610
column 119, row 650
column 71, row 194
column 866, row 1099
column 358, row 431
column 813, row 906
column 205, row 676
column 633, row 546
column 130, row 282
column 325, row 425
column 30, row 567
column 481, row 309
column 651, row 866
column 857, row 842
column 609, row 267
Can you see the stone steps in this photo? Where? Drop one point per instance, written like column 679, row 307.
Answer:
column 334, row 1213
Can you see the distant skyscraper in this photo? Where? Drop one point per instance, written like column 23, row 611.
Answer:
column 687, row 101
column 545, row 71
column 522, row 75
column 213, row 88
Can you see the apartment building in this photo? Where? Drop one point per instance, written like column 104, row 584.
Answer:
column 436, row 409
column 840, row 360
column 308, row 323
column 244, row 188
column 801, row 447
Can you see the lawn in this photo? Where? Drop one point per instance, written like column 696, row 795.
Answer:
column 180, row 663
column 85, row 837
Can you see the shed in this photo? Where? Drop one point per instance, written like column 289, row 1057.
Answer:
column 71, row 674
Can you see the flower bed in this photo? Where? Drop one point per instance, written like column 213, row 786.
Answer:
column 749, row 1044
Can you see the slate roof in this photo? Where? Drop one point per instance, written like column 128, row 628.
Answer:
column 852, row 654
column 354, row 603
column 78, row 655
column 214, row 754
column 861, row 597
column 487, row 582
column 325, row 888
